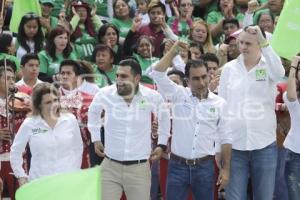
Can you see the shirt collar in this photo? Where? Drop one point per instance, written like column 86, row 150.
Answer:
column 261, row 61
column 209, row 96
column 38, row 119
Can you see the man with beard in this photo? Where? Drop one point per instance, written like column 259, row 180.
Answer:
column 129, row 108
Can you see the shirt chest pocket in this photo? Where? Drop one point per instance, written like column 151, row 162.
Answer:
column 208, row 114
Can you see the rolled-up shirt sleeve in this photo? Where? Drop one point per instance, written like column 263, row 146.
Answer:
column 18, row 148
column 94, row 117
column 78, row 144
column 223, row 130
column 164, row 84
column 274, row 63
column 164, row 122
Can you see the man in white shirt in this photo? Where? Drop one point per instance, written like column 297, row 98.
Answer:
column 248, row 84
column 128, row 109
column 30, row 66
column 197, row 123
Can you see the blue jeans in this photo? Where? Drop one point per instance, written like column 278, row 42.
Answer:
column 154, row 180
column 200, row 178
column 281, row 190
column 260, row 165
column 292, row 174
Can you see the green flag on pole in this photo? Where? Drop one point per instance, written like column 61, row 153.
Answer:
column 20, row 8
column 287, row 33
column 80, row 185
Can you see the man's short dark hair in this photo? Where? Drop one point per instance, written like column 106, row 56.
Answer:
column 178, row 73
column 210, row 57
column 29, row 56
column 133, row 64
column 8, row 69
column 76, row 66
column 194, row 64
column 9, row 63
column 231, row 21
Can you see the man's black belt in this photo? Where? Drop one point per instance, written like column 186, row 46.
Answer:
column 195, row 161
column 128, row 162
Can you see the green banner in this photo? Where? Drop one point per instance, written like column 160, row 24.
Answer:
column 285, row 40
column 81, row 185
column 20, row 8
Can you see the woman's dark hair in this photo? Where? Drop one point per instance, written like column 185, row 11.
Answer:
column 103, row 29
column 38, row 38
column 88, row 24
column 5, row 41
column 146, row 37
column 197, row 45
column 131, row 11
column 50, row 46
column 260, row 14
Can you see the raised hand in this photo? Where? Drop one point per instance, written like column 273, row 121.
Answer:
column 137, row 21
column 252, row 6
column 94, row 10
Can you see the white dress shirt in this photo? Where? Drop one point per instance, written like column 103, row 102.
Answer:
column 196, row 125
column 22, row 82
column 53, row 151
column 128, row 126
column 292, row 140
column 251, row 99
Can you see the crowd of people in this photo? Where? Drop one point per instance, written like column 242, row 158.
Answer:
column 175, row 99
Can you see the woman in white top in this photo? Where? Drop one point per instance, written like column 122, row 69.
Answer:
column 292, row 141
column 54, row 138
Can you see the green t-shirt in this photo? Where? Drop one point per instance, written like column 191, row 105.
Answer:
column 87, row 43
column 101, row 80
column 50, row 67
column 215, row 16
column 123, row 26
column 145, row 64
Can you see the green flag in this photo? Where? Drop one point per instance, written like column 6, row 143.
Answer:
column 285, row 40
column 20, row 8
column 81, row 185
